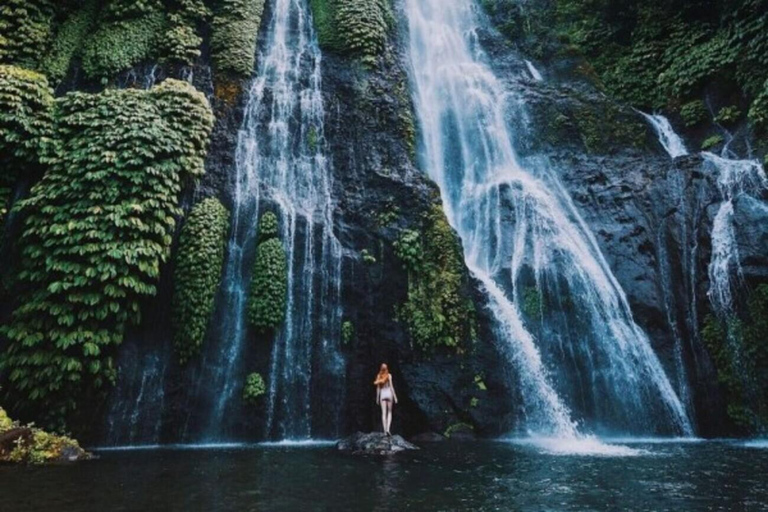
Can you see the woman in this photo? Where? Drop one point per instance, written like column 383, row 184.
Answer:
column 385, row 395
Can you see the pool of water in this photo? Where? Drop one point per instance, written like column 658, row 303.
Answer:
column 642, row 475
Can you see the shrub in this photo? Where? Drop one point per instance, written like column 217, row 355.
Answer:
column 269, row 286
column 117, row 45
column 199, row 263
column 254, row 388
column 357, row 27
column 98, row 226
column 26, row 106
column 693, row 113
column 37, row 447
column 347, row 332
column 711, row 142
column 235, row 32
column 437, row 311
column 728, row 115
column 68, row 41
column 25, row 29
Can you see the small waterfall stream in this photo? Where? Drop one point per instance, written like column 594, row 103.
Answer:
column 583, row 364
column 281, row 166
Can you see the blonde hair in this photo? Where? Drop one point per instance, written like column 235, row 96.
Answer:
column 382, row 377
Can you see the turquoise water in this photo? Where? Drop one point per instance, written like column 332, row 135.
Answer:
column 485, row 476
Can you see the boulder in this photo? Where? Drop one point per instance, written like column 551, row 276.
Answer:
column 374, row 443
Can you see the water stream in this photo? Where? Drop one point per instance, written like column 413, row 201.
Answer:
column 282, row 166
column 584, row 365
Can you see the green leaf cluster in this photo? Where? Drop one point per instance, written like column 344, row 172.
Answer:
column 438, row 311
column 68, row 41
column 97, row 228
column 254, row 388
column 199, row 264
column 25, row 29
column 269, row 287
column 235, row 32
column 357, row 27
column 26, row 116
column 182, row 40
column 126, row 35
column 740, row 354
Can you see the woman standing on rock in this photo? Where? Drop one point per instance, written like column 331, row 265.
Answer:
column 385, row 396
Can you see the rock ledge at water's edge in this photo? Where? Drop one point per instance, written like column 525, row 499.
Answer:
column 374, row 443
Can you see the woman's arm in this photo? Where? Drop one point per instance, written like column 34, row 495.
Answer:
column 378, row 395
column 392, row 385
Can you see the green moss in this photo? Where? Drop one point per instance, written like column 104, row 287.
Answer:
column 97, row 227
column 25, row 30
column 199, row 264
column 254, row 388
column 26, row 107
column 235, row 32
column 533, row 302
column 452, row 429
column 737, row 347
column 38, row 447
column 711, row 142
column 357, row 27
column 437, row 311
column 269, row 286
column 347, row 332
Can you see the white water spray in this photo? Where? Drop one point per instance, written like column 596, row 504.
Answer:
column 669, row 139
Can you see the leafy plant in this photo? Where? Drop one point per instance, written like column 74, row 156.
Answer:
column 25, row 29
column 97, row 227
column 26, row 106
column 711, row 142
column 199, row 263
column 68, row 41
column 269, row 288
column 693, row 113
column 347, row 332
column 357, row 27
column 728, row 115
column 235, row 31
column 255, row 387
column 437, row 312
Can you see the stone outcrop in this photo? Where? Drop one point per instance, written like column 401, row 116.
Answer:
column 374, row 443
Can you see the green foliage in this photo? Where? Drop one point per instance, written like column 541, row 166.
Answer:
column 97, row 227
column 368, row 258
column 533, row 302
column 182, row 40
column 712, row 142
column 269, row 287
column 347, row 332
column 693, row 113
column 26, row 106
column 199, row 263
column 480, row 383
column 740, row 354
column 357, row 27
column 68, row 41
column 269, row 227
column 452, row 429
column 728, row 115
column 254, row 388
column 437, row 312
column 758, row 112
column 25, row 29
column 39, row 448
column 474, row 401
column 235, row 32
column 654, row 54
column 123, row 38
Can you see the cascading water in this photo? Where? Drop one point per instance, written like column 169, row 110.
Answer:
column 582, row 361
column 281, row 166
column 669, row 139
column 736, row 179
column 535, row 73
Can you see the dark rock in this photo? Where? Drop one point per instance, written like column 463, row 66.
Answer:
column 374, row 443
column 428, row 437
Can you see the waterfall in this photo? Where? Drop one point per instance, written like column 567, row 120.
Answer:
column 670, row 140
column 281, row 166
column 535, row 73
column 735, row 178
column 582, row 362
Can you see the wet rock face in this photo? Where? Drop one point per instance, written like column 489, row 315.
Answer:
column 379, row 192
column 374, row 443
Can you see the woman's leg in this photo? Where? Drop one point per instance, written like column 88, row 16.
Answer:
column 389, row 416
column 384, row 414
